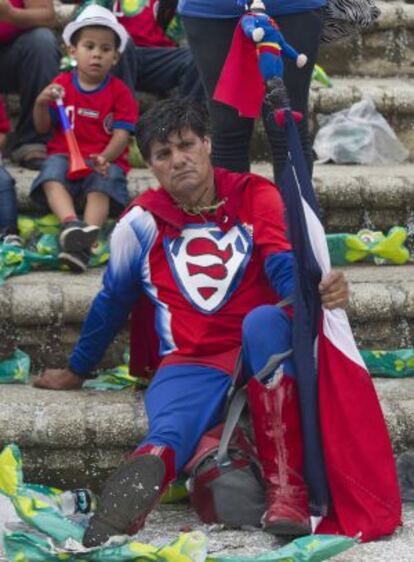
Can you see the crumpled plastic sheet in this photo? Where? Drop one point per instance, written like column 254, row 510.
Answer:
column 358, row 135
column 49, row 535
column 392, row 363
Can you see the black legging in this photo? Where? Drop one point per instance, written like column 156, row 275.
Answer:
column 210, row 40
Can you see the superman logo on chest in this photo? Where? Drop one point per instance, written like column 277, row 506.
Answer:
column 208, row 264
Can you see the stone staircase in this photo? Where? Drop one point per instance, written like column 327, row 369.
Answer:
column 386, row 50
column 76, row 437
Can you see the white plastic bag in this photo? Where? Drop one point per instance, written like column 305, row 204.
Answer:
column 358, row 135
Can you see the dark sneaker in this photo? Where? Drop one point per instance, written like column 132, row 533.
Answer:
column 75, row 261
column 76, row 236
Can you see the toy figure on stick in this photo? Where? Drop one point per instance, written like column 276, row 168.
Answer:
column 258, row 49
column 271, row 47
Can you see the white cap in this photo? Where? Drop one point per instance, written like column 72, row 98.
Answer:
column 96, row 15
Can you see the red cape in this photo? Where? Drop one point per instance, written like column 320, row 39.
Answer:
column 241, row 83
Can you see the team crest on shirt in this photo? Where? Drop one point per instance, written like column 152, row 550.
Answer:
column 108, row 123
column 208, row 264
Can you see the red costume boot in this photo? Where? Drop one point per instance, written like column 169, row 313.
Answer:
column 130, row 493
column 276, row 423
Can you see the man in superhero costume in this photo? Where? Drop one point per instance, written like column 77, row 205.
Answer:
column 208, row 250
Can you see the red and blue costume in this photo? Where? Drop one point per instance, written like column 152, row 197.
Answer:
column 202, row 280
column 94, row 115
column 210, row 285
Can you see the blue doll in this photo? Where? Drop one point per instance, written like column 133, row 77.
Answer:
column 271, row 47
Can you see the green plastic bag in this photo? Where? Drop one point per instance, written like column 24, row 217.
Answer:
column 17, row 261
column 15, row 369
column 50, row 536
column 396, row 363
column 117, row 378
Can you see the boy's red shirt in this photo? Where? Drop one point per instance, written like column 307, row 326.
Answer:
column 94, row 115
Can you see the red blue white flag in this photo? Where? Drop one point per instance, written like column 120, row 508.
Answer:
column 349, row 463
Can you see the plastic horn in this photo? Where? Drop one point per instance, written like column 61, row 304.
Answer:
column 78, row 168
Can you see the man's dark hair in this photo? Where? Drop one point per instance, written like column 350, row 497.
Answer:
column 76, row 37
column 173, row 115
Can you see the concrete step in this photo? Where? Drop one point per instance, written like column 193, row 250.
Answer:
column 73, row 439
column 393, row 97
column 386, row 49
column 351, row 197
column 354, row 197
column 42, row 312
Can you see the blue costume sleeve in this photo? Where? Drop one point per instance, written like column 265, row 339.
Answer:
column 113, row 303
column 287, row 49
column 279, row 271
column 248, row 25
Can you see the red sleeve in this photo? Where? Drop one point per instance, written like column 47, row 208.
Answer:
column 268, row 213
column 126, row 108
column 4, row 122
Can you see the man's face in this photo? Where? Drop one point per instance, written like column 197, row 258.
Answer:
column 182, row 165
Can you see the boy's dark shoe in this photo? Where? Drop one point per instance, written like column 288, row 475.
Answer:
column 76, row 261
column 77, row 236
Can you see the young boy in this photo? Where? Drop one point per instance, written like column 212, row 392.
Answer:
column 103, row 113
column 8, row 202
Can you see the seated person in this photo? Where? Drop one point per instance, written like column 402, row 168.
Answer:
column 29, row 60
column 152, row 62
column 103, row 113
column 8, row 203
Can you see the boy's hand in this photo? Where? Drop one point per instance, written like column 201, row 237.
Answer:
column 50, row 94
column 100, row 164
column 334, row 290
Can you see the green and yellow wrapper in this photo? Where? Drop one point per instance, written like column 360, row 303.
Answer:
column 49, row 536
